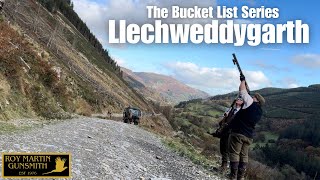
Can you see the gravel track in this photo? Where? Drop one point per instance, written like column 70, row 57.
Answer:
column 103, row 149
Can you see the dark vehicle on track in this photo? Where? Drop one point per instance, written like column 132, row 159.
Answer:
column 131, row 114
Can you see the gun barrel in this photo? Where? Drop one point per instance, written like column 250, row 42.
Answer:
column 235, row 61
column 234, row 56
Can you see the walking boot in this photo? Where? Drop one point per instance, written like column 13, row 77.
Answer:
column 242, row 170
column 233, row 170
column 224, row 167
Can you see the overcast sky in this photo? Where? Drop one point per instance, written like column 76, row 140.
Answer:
column 209, row 67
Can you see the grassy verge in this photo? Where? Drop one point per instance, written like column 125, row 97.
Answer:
column 6, row 128
column 188, row 151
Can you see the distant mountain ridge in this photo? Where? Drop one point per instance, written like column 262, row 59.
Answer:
column 285, row 106
column 169, row 89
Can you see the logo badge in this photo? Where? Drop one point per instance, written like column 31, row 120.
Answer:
column 36, row 165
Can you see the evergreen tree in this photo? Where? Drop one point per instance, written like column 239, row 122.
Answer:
column 66, row 8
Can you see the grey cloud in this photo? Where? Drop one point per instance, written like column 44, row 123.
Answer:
column 269, row 67
column 97, row 15
column 220, row 80
column 310, row 61
column 288, row 82
column 93, row 14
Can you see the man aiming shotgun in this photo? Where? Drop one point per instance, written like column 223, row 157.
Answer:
column 223, row 132
column 224, row 123
column 242, row 128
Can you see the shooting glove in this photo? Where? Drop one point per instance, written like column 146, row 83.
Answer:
column 242, row 78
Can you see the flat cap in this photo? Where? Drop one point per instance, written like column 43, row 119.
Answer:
column 261, row 100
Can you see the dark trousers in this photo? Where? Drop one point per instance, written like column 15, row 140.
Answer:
column 224, row 146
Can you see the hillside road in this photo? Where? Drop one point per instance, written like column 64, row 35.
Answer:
column 104, row 149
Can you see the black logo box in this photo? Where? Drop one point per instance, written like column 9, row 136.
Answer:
column 50, row 162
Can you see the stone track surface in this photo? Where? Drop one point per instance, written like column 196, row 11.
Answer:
column 103, row 149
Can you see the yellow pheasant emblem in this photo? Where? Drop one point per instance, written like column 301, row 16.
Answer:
column 59, row 165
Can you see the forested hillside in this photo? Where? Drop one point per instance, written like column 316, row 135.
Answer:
column 52, row 66
column 287, row 139
column 66, row 8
